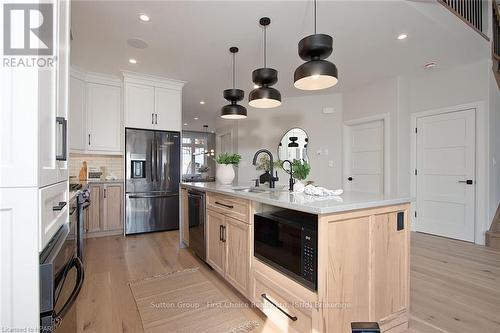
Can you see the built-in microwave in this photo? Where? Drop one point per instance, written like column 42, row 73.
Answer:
column 287, row 240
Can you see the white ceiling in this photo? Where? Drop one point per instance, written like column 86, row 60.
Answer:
column 189, row 41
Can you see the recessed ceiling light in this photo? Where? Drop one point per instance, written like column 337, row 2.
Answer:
column 185, row 124
column 132, row 61
column 144, row 18
column 195, row 118
column 431, row 64
column 402, row 36
column 202, row 102
column 212, row 132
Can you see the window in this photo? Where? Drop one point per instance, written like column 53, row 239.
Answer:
column 197, row 151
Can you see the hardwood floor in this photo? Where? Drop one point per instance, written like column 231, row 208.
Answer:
column 455, row 286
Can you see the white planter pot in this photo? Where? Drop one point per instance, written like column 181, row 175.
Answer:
column 225, row 174
column 298, row 187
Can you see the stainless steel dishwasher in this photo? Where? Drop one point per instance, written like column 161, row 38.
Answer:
column 196, row 214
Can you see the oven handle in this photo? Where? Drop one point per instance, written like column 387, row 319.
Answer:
column 294, row 318
column 77, row 263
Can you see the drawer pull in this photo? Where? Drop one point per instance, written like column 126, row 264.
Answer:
column 293, row 318
column 60, row 206
column 221, row 204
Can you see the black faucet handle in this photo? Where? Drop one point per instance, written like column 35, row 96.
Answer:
column 276, row 178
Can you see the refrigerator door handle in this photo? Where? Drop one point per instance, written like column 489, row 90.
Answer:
column 158, row 175
column 151, row 166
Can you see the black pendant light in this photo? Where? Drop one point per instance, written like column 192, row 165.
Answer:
column 316, row 73
column 265, row 96
column 233, row 110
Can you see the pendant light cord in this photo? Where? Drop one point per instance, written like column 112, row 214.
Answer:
column 234, row 70
column 315, row 17
column 265, row 46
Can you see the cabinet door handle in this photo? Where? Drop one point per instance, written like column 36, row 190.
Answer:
column 105, row 193
column 89, row 139
column 224, row 205
column 152, row 118
column 223, row 233
column 60, row 206
column 61, row 121
column 294, row 318
column 156, row 118
column 220, row 232
column 468, row 181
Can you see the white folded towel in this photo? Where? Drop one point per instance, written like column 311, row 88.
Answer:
column 320, row 191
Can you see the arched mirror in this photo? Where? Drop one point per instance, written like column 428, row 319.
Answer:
column 293, row 145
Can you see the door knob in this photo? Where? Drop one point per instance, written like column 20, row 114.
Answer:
column 350, row 179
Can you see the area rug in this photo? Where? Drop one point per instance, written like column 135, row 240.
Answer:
column 186, row 301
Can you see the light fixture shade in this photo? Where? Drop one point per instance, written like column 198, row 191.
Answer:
column 233, row 111
column 233, row 95
column 264, row 97
column 315, row 75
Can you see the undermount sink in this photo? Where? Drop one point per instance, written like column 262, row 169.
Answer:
column 254, row 189
column 251, row 190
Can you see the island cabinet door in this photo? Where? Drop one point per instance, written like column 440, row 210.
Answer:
column 364, row 268
column 215, row 242
column 237, row 237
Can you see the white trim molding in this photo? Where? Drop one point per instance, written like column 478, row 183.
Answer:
column 152, row 80
column 481, row 223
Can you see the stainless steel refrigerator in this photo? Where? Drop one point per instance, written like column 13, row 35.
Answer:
column 152, row 166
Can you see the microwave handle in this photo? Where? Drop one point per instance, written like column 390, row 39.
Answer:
column 64, row 123
column 77, row 263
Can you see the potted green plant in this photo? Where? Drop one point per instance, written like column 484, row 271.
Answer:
column 225, row 171
column 300, row 171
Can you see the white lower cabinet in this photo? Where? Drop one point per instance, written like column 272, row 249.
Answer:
column 19, row 278
column 53, row 207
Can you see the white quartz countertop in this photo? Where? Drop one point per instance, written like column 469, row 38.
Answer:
column 281, row 197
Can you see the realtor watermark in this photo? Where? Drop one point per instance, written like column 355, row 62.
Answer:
column 28, row 35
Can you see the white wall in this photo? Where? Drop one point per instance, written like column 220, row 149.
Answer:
column 377, row 99
column 494, row 120
column 264, row 128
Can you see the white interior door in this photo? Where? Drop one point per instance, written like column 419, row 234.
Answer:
column 365, row 157
column 446, row 174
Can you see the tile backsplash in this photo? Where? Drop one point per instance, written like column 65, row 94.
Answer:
column 112, row 164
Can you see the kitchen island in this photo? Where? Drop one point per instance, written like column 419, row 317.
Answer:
column 361, row 256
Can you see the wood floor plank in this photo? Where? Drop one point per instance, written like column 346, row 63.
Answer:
column 455, row 286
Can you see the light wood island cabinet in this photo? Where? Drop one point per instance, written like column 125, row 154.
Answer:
column 363, row 266
column 229, row 239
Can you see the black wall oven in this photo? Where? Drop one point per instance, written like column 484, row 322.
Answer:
column 61, row 279
column 288, row 241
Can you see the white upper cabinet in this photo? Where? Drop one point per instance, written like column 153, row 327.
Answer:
column 168, row 102
column 139, row 106
column 96, row 118
column 103, row 117
column 152, row 102
column 77, row 119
